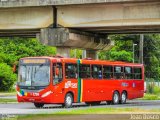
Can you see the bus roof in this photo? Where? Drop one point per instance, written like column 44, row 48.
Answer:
column 87, row 60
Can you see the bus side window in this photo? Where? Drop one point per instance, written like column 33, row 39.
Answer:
column 84, row 71
column 71, row 71
column 97, row 71
column 107, row 72
column 118, row 72
column 138, row 73
column 128, row 72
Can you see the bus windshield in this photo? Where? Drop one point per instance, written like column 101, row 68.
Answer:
column 34, row 75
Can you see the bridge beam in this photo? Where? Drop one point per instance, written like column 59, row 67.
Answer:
column 110, row 17
column 137, row 16
column 64, row 38
column 32, row 3
column 26, row 18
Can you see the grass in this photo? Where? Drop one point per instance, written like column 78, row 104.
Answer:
column 12, row 93
column 107, row 111
column 150, row 97
column 89, row 111
column 5, row 100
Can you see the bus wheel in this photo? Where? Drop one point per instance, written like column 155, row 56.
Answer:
column 68, row 100
column 38, row 105
column 115, row 98
column 123, row 98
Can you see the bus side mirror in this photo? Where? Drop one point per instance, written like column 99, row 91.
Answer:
column 57, row 71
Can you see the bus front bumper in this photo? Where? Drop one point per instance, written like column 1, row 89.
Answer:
column 36, row 97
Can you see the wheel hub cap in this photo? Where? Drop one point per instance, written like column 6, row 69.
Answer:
column 116, row 98
column 69, row 100
column 123, row 97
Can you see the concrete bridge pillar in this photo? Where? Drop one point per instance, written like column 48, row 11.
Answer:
column 90, row 54
column 63, row 51
column 84, row 55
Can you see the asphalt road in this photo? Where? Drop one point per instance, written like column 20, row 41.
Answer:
column 28, row 108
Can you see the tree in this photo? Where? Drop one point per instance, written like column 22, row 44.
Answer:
column 152, row 56
column 11, row 50
column 123, row 51
column 7, row 77
column 76, row 52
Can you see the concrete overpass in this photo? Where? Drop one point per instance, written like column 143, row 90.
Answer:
column 96, row 16
column 78, row 23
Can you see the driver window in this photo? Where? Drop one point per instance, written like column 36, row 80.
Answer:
column 57, row 73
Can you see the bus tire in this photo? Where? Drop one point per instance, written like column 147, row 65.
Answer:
column 123, row 97
column 68, row 100
column 38, row 105
column 115, row 98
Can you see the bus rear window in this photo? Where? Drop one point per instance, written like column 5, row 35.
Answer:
column 137, row 73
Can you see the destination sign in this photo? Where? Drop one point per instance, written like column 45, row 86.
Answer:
column 34, row 61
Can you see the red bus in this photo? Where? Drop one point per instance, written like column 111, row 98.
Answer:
column 53, row 80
